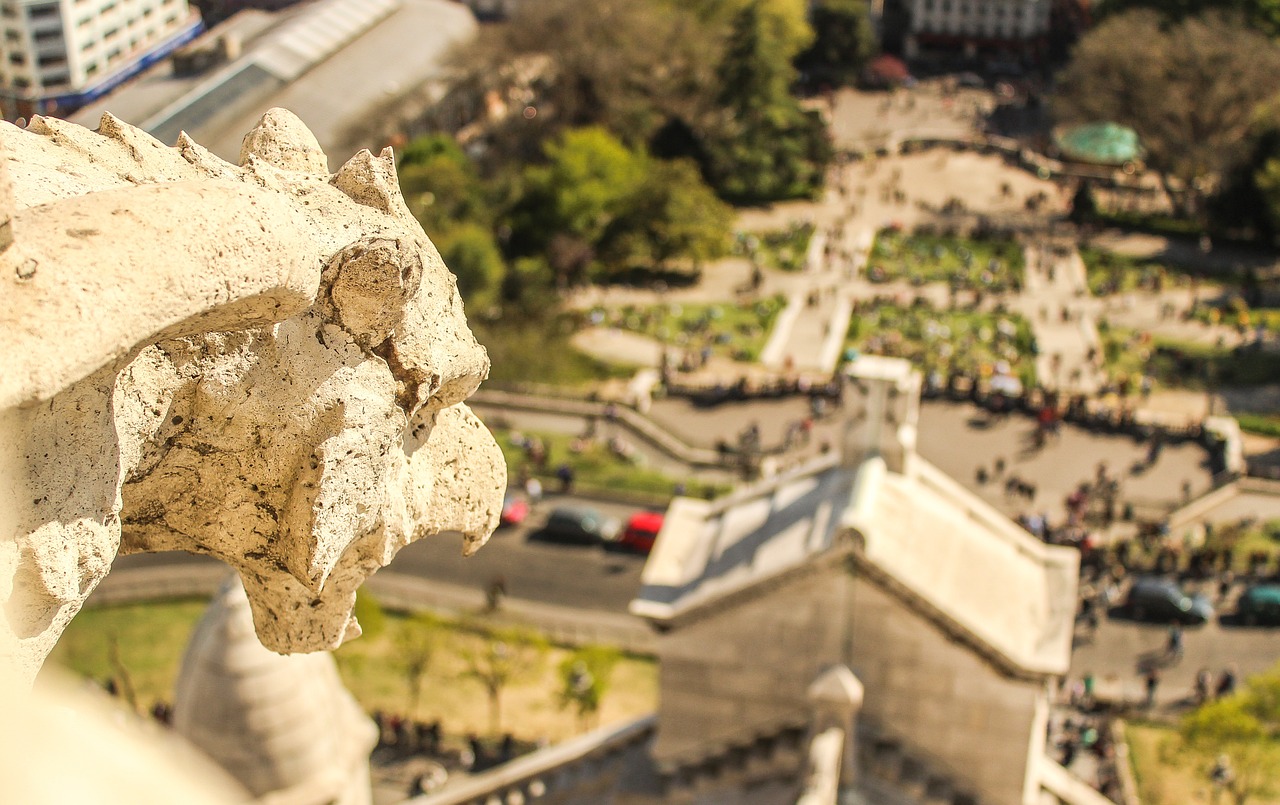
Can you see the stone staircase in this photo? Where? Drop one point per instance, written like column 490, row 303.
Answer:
column 891, row 773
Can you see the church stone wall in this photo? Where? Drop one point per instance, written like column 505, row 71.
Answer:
column 942, row 700
column 745, row 668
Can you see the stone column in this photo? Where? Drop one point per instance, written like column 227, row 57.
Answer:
column 835, row 698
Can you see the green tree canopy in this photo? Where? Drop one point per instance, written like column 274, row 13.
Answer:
column 787, row 20
column 472, row 255
column 1190, row 90
column 1245, row 729
column 624, row 65
column 672, row 214
column 844, row 42
column 584, row 679
column 764, row 146
column 1260, row 15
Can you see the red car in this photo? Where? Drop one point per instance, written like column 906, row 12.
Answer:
column 642, row 529
column 515, row 507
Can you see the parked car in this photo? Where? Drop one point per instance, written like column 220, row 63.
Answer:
column 580, row 524
column 1259, row 604
column 515, row 508
column 1159, row 599
column 642, row 529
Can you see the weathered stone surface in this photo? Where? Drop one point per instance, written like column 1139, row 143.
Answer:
column 258, row 362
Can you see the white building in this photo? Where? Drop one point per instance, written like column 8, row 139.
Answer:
column 974, row 25
column 61, row 54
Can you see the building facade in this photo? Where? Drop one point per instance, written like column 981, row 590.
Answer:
column 1014, row 27
column 60, row 54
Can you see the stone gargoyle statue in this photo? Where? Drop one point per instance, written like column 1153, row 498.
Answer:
column 265, row 363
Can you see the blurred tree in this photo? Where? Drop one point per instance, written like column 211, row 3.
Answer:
column 763, row 146
column 568, row 203
column 1260, row 15
column 672, row 214
column 472, row 255
column 1244, row 730
column 1168, row 83
column 584, row 680
column 503, row 657
column 845, row 41
column 415, row 644
column 1248, row 202
column 787, row 20
column 559, row 64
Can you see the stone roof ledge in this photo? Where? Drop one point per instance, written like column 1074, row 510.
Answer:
column 961, row 557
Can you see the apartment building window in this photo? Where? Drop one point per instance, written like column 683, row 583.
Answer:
column 113, row 55
column 91, row 69
column 50, row 61
column 110, row 33
column 21, row 82
column 11, row 35
column 44, row 11
column 8, row 11
column 55, row 79
column 18, row 58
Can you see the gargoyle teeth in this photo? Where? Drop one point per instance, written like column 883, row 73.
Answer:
column 372, row 182
column 132, row 137
column 202, row 158
column 282, row 140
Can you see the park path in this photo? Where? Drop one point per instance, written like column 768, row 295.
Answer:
column 1055, row 299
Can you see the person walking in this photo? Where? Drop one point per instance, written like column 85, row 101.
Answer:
column 1174, row 646
column 1153, row 683
column 1226, row 682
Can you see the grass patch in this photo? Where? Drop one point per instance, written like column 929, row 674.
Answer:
column 1236, row 313
column 1162, row 778
column 152, row 637
column 783, row 249
column 946, row 340
column 596, row 467
column 1110, row 273
column 991, row 265
column 1153, row 223
column 734, row 332
column 1182, row 364
column 1260, row 424
column 537, row 350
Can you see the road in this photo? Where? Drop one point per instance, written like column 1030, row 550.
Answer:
column 534, row 569
column 574, row 576
column 1115, row 653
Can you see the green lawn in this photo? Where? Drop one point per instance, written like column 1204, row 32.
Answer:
column 1184, row 365
column 1263, row 424
column 728, row 330
column 152, row 637
column 1110, row 272
column 783, row 249
column 1236, row 313
column 523, row 350
column 946, row 340
column 994, row 265
column 597, row 468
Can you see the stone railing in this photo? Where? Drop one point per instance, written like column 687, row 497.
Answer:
column 542, row 773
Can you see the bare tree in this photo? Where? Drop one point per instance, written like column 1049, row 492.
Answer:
column 505, row 656
column 1191, row 90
